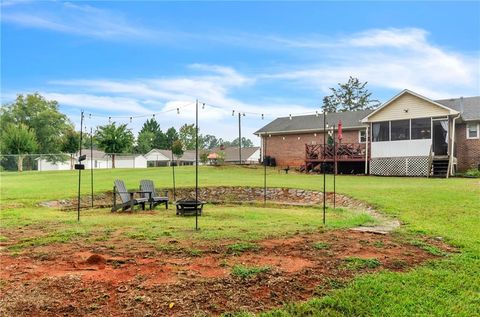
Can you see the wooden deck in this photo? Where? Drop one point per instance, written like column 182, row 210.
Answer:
column 344, row 152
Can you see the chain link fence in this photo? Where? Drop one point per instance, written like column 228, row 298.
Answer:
column 65, row 162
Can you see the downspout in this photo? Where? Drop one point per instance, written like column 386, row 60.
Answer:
column 453, row 144
column 366, row 149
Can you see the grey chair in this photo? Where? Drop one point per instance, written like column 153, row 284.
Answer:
column 127, row 197
column 148, row 189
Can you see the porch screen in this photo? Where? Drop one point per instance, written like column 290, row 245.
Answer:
column 400, row 130
column 421, row 128
column 380, row 131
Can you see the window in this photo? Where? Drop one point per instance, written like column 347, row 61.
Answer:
column 362, row 136
column 400, row 130
column 421, row 128
column 473, row 131
column 380, row 131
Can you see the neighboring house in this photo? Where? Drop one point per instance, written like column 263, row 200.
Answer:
column 98, row 160
column 408, row 135
column 156, row 158
column 249, row 155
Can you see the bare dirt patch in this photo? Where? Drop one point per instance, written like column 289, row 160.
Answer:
column 78, row 280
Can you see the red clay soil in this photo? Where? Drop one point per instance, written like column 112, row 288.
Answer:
column 70, row 280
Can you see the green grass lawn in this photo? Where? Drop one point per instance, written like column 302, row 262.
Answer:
column 446, row 208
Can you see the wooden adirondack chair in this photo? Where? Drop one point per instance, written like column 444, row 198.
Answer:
column 127, row 197
column 148, row 188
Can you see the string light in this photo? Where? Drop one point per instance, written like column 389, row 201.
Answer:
column 290, row 115
column 109, row 119
column 89, row 116
column 298, row 138
column 243, row 114
column 262, row 116
column 283, row 138
column 316, row 113
column 315, row 135
column 233, row 113
column 178, row 110
column 130, row 119
column 203, row 106
column 153, row 115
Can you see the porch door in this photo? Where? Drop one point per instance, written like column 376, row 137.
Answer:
column 440, row 137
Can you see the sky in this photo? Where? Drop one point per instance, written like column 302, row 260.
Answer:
column 130, row 59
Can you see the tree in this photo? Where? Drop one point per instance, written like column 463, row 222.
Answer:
column 204, row 157
column 170, row 136
column 145, row 142
column 350, row 96
column 159, row 139
column 177, row 148
column 70, row 143
column 113, row 139
column 187, row 136
column 19, row 140
column 41, row 116
column 209, row 141
column 245, row 142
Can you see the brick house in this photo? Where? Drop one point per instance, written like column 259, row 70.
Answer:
column 408, row 135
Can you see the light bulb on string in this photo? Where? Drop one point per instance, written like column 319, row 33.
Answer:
column 153, row 116
column 203, row 106
column 262, row 116
column 178, row 110
column 243, row 114
column 89, row 116
column 233, row 113
column 316, row 113
column 109, row 119
column 130, row 119
column 290, row 116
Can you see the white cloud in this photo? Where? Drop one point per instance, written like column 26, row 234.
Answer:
column 393, row 58
column 76, row 19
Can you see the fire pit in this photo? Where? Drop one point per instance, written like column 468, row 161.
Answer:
column 189, row 207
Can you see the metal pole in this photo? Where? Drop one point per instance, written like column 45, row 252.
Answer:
column 173, row 172
column 80, row 171
column 91, row 163
column 323, row 165
column 196, row 164
column 335, row 166
column 265, row 170
column 240, row 137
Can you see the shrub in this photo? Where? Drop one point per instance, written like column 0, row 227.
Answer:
column 244, row 272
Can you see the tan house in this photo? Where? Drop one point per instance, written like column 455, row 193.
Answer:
column 409, row 135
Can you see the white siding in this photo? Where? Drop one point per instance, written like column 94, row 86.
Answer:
column 255, row 157
column 156, row 156
column 401, row 148
column 44, row 165
column 408, row 106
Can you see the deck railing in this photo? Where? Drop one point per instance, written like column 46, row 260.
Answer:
column 343, row 151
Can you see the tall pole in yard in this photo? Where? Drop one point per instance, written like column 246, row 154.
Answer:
column 91, row 164
column 323, row 165
column 264, row 170
column 80, row 171
column 196, row 165
column 334, row 165
column 173, row 174
column 240, row 137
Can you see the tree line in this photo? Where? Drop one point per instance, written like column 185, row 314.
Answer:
column 33, row 124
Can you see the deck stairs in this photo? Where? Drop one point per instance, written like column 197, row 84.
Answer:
column 439, row 167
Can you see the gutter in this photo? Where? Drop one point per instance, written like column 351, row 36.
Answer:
column 453, row 143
